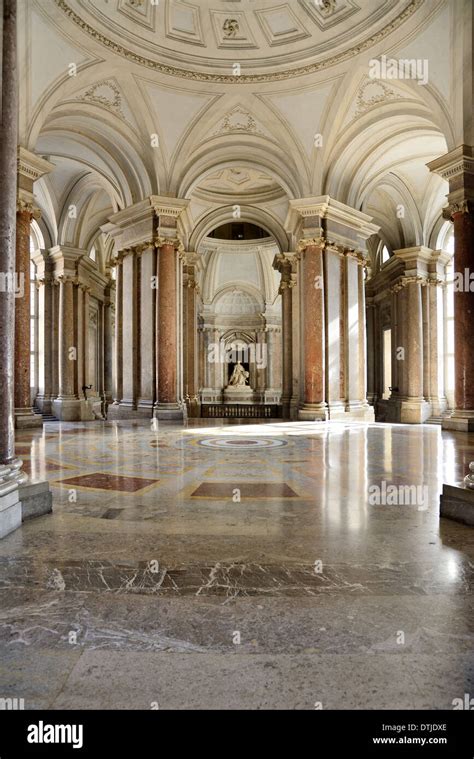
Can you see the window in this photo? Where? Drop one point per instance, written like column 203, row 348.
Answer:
column 385, row 254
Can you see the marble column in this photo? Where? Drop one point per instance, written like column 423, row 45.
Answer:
column 285, row 265
column 146, row 333
column 457, row 168
column 130, row 345
column 463, row 219
column 118, row 332
column 30, row 168
column 190, row 350
column 46, row 344
column 413, row 409
column 396, row 344
column 436, row 338
column 314, row 403
column 10, row 467
column 168, row 405
column 371, row 351
column 24, row 416
column 109, row 326
column 67, row 404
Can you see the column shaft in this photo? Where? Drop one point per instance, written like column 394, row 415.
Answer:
column 313, row 333
column 118, row 333
column 464, row 310
column 8, row 190
column 414, row 355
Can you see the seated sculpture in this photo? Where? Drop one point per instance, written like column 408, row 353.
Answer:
column 239, row 376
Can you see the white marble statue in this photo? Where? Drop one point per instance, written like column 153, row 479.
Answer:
column 239, row 376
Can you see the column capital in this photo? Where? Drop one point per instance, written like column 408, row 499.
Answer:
column 311, row 242
column 457, row 168
column 24, row 205
column 340, row 224
column 140, row 223
column 174, row 240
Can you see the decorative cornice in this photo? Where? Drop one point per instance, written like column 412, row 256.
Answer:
column 138, row 249
column 31, row 165
column 455, row 163
column 309, row 68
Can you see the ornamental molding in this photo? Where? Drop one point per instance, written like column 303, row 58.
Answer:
column 385, row 95
column 170, row 70
column 114, row 103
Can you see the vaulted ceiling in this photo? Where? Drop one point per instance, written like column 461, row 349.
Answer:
column 249, row 102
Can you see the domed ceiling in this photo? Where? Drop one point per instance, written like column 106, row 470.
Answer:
column 237, row 40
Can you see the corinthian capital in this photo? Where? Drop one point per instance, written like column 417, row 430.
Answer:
column 461, row 207
column 176, row 242
column 308, row 242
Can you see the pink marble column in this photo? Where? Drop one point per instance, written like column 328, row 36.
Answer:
column 168, row 406
column 313, row 330
column 24, row 416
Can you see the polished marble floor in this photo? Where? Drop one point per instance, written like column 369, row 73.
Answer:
column 239, row 566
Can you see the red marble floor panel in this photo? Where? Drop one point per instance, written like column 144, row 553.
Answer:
column 48, row 466
column 107, row 481
column 247, row 490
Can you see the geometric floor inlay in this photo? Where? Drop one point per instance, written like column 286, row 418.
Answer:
column 239, row 443
column 106, row 481
column 247, row 490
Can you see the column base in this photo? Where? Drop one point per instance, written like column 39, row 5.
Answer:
column 67, row 409
column 457, row 503
column 45, row 403
column 36, row 499
column 461, row 421
column 127, row 410
column 169, row 411
column 353, row 411
column 11, row 477
column 25, row 418
column 414, row 411
column 313, row 412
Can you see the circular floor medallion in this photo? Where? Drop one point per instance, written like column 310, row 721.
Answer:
column 241, row 443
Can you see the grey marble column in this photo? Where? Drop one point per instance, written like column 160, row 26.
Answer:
column 108, row 342
column 118, row 332
column 10, row 467
column 371, row 352
column 67, row 405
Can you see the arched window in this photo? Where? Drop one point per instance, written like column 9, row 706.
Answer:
column 385, row 255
